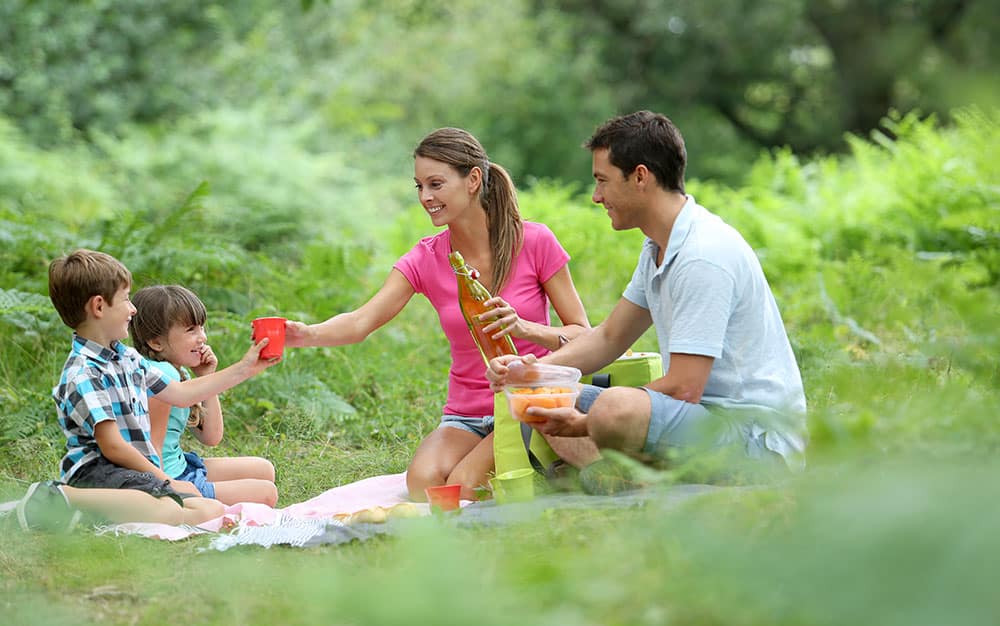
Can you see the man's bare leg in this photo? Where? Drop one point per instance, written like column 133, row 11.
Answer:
column 577, row 451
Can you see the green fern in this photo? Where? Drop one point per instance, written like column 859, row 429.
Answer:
column 28, row 312
column 26, row 412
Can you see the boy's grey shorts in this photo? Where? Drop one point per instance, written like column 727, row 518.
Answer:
column 102, row 473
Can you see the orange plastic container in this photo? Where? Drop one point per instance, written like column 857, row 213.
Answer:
column 540, row 385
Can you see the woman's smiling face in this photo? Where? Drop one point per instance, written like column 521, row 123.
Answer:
column 443, row 192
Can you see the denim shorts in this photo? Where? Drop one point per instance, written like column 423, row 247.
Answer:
column 196, row 474
column 678, row 425
column 481, row 426
column 102, row 473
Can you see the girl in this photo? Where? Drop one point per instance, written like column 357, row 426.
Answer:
column 521, row 263
column 169, row 329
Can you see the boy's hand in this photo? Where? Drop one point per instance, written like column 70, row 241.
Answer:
column 208, row 361
column 183, row 486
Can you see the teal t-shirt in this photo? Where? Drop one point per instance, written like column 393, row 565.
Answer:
column 174, row 462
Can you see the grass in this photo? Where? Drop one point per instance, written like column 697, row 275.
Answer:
column 843, row 545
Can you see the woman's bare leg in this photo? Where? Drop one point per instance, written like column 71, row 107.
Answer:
column 474, row 469
column 436, row 457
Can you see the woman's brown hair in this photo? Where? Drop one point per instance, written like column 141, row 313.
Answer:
column 459, row 149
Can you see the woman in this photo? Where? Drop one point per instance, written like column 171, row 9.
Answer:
column 521, row 263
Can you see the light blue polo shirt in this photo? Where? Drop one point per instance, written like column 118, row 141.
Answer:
column 709, row 297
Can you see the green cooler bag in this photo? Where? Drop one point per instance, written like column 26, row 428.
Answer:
column 633, row 369
column 512, row 440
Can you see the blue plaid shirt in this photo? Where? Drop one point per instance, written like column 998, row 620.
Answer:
column 99, row 384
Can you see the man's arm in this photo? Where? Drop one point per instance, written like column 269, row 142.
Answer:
column 685, row 377
column 589, row 352
column 592, row 351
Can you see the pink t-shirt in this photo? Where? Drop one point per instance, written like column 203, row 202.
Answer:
column 427, row 268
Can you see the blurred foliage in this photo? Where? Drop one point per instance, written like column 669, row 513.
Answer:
column 376, row 76
column 761, row 73
column 67, row 67
column 361, row 82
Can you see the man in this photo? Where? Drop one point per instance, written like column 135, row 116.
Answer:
column 731, row 380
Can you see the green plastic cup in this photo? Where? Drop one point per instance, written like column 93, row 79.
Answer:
column 514, row 486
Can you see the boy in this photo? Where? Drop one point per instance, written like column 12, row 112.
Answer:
column 102, row 403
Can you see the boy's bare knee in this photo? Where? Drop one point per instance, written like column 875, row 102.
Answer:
column 267, row 472
column 270, row 495
column 200, row 510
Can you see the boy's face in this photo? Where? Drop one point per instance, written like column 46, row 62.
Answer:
column 117, row 314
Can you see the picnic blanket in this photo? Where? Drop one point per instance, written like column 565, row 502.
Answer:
column 364, row 509
column 349, row 510
column 662, row 497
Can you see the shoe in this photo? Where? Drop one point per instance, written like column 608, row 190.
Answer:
column 604, row 477
column 562, row 476
column 618, row 473
column 46, row 507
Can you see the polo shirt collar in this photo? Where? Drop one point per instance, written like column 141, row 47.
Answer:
column 679, row 232
column 93, row 350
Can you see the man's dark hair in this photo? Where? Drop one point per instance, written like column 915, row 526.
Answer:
column 646, row 138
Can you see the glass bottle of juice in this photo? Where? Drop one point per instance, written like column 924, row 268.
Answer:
column 471, row 296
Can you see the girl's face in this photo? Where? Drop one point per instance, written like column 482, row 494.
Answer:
column 182, row 345
column 442, row 191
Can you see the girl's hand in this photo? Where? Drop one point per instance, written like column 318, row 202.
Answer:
column 208, row 361
column 505, row 320
column 253, row 363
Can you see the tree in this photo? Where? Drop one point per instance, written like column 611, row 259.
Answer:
column 789, row 72
column 81, row 66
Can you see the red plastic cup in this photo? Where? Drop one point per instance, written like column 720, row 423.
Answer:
column 274, row 329
column 443, row 497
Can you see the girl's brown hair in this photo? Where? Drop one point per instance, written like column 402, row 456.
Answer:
column 158, row 309
column 459, row 149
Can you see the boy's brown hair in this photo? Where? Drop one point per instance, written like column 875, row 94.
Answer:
column 79, row 276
